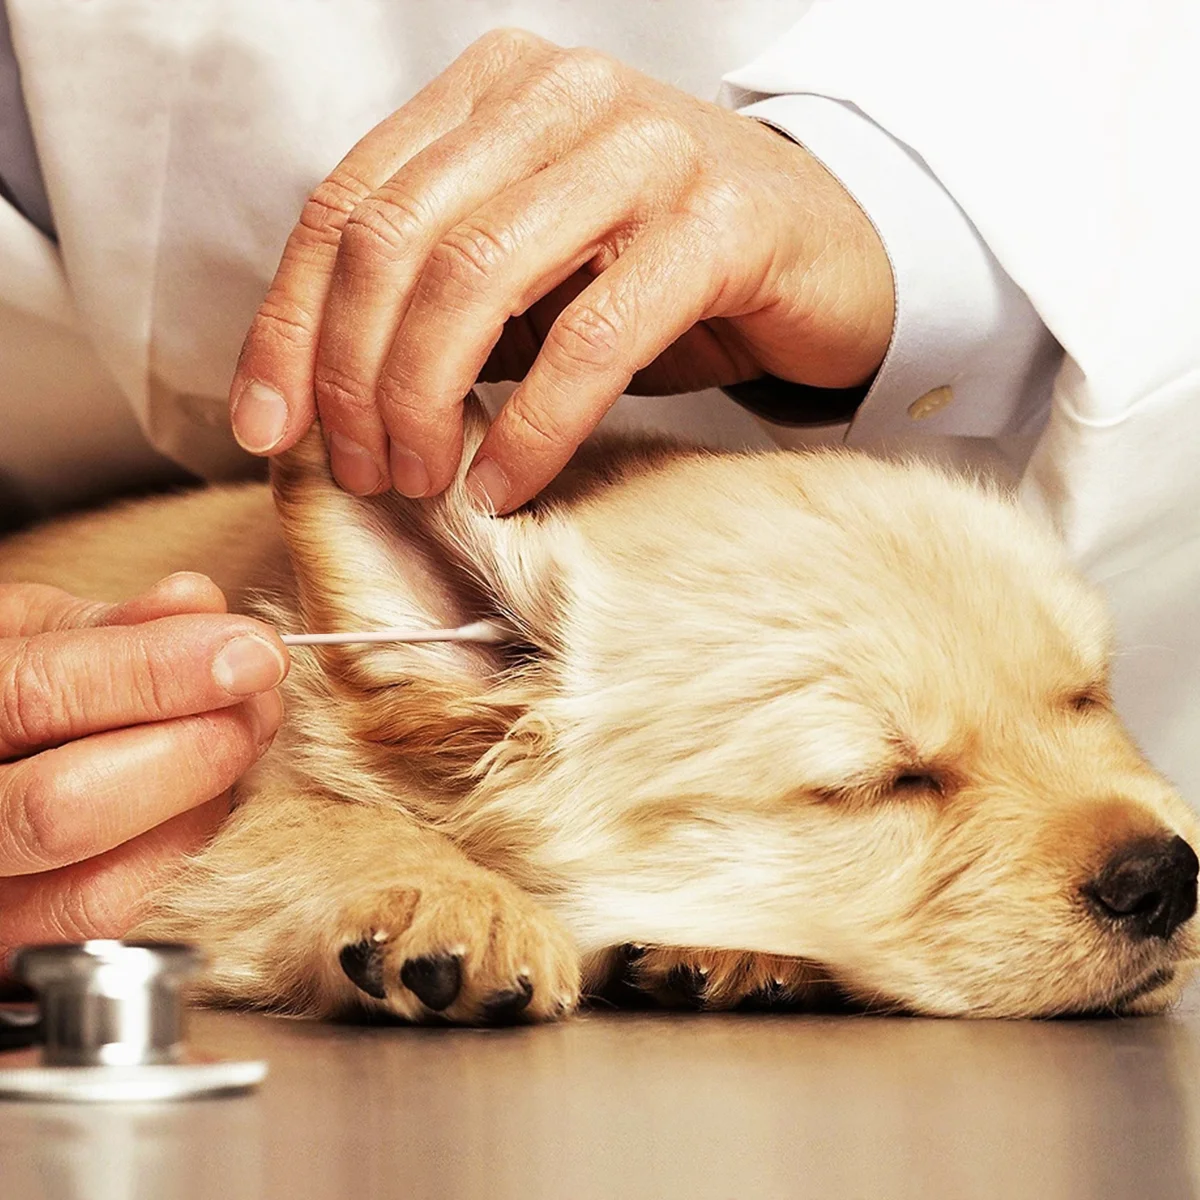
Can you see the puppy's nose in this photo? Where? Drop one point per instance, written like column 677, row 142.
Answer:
column 1149, row 887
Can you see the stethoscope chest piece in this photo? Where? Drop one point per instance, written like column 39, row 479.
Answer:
column 110, row 1027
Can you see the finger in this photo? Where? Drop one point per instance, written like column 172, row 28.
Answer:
column 497, row 262
column 30, row 608
column 56, row 687
column 72, row 803
column 271, row 396
column 664, row 283
column 105, row 896
column 183, row 592
column 515, row 130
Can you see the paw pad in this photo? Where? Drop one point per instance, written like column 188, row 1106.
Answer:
column 504, row 1008
column 363, row 964
column 685, row 986
column 771, row 997
column 435, row 979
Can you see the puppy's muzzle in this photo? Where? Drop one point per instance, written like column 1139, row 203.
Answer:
column 1148, row 887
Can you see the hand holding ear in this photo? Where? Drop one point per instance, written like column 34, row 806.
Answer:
column 551, row 216
column 122, row 727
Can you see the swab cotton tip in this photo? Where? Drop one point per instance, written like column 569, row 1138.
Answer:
column 487, row 633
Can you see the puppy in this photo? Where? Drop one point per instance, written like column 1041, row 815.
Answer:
column 789, row 723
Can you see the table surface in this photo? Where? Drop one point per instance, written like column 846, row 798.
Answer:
column 650, row 1105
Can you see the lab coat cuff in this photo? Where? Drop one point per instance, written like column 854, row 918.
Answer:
column 968, row 355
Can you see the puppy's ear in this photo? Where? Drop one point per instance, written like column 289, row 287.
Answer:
column 368, row 563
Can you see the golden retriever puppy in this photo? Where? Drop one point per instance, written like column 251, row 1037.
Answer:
column 824, row 722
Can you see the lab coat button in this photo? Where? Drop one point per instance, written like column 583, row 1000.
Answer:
column 933, row 401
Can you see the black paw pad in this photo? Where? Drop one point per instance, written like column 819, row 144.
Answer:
column 435, row 979
column 503, row 1008
column 684, row 987
column 771, row 997
column 363, row 964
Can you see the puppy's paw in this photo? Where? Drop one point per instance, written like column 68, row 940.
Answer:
column 471, row 949
column 713, row 980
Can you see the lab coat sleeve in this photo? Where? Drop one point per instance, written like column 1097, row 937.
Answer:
column 1063, row 130
column 1060, row 128
column 968, row 355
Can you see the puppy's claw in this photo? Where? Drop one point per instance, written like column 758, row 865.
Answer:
column 435, row 979
column 503, row 1008
column 363, row 964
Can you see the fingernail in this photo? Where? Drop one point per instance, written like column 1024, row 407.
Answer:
column 487, row 486
column 266, row 711
column 352, row 466
column 259, row 418
column 409, row 476
column 248, row 665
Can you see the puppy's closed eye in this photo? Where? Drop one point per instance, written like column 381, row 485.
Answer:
column 912, row 784
column 915, row 782
column 1089, row 699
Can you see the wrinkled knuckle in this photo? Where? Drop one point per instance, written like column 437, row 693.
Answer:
column 221, row 747
column 662, row 136
column 584, row 338
column 506, row 44
column 465, row 259
column 73, row 613
column 537, row 428
column 36, row 801
column 330, row 205
column 495, row 55
column 147, row 679
column 507, row 37
column 31, row 608
column 84, row 911
column 716, row 207
column 282, row 320
column 584, row 71
column 337, row 391
column 405, row 407
column 30, row 704
column 383, row 227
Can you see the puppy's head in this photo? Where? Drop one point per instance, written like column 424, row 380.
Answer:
column 805, row 704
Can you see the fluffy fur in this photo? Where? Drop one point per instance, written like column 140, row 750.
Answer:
column 847, row 717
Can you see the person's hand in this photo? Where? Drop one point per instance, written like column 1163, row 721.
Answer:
column 122, row 727
column 550, row 215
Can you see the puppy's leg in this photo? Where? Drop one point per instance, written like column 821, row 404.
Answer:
column 723, row 979
column 324, row 908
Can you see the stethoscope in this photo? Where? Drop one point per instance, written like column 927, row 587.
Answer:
column 109, row 1026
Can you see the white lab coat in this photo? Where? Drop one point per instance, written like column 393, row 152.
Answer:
column 179, row 140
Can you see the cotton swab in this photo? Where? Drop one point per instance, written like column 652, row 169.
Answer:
column 484, row 633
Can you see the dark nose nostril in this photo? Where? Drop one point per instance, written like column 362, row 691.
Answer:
column 1148, row 887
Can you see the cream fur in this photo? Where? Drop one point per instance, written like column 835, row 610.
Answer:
column 731, row 661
